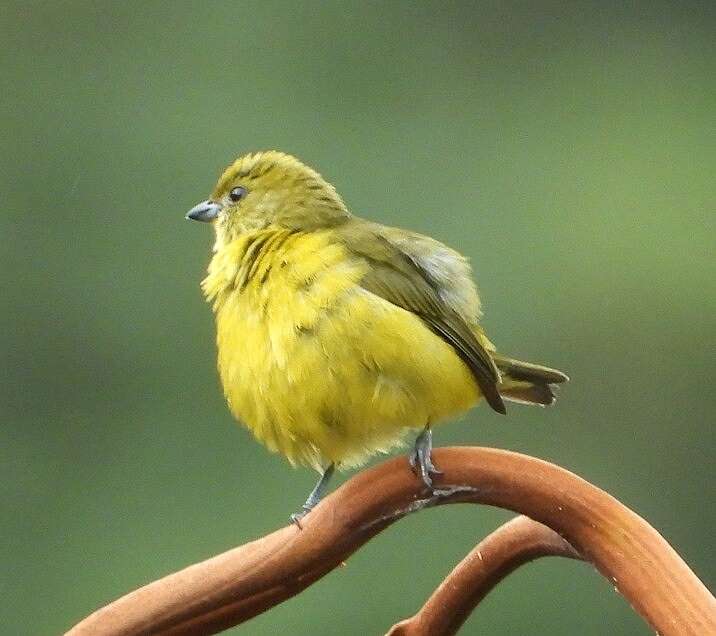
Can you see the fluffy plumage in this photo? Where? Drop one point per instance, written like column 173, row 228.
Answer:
column 336, row 334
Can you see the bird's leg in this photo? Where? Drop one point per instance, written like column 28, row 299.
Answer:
column 315, row 496
column 420, row 459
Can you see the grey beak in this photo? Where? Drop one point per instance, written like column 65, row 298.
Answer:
column 206, row 211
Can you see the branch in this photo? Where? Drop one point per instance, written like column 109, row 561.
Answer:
column 231, row 588
column 513, row 544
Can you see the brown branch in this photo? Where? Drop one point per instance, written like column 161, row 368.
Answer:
column 241, row 583
column 513, row 544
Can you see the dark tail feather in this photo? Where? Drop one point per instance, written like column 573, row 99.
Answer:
column 528, row 383
column 529, row 372
column 540, row 394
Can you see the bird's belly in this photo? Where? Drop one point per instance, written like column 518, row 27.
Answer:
column 323, row 371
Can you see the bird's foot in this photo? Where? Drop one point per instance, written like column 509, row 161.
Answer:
column 314, row 497
column 420, row 458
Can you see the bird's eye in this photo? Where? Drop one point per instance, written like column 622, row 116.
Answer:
column 238, row 193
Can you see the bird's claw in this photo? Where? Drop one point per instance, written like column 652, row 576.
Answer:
column 420, row 458
column 296, row 517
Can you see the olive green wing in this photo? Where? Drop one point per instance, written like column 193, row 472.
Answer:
column 397, row 278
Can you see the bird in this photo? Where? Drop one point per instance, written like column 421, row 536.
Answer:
column 337, row 335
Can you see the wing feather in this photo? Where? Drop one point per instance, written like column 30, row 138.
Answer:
column 396, row 277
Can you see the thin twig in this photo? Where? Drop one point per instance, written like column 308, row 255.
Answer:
column 237, row 585
column 513, row 544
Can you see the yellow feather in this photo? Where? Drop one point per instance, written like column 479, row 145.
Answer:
column 319, row 369
column 314, row 364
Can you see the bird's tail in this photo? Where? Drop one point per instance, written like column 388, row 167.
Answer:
column 527, row 383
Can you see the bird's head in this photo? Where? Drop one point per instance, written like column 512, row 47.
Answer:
column 269, row 188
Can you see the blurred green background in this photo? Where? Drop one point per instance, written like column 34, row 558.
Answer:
column 568, row 148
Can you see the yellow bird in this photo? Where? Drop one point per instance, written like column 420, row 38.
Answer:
column 336, row 335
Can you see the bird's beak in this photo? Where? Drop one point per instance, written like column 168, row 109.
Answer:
column 206, row 211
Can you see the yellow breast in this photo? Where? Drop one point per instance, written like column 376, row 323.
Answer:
column 315, row 366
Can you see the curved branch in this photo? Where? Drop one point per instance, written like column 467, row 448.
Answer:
column 513, row 544
column 241, row 583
